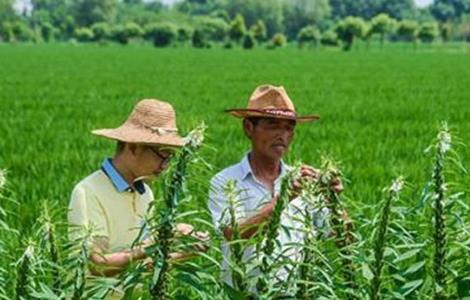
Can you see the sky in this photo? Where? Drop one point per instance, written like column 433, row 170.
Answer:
column 20, row 5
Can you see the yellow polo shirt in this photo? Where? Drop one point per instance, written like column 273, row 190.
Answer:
column 117, row 215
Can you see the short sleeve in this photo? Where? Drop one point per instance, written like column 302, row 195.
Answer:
column 86, row 211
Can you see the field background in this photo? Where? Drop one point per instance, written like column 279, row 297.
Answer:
column 379, row 109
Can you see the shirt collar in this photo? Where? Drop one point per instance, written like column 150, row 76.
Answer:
column 246, row 167
column 118, row 181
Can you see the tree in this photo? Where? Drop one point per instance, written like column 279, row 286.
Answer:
column 382, row 25
column 124, row 33
column 198, row 40
column 101, row 31
column 259, row 31
column 301, row 13
column 450, row 10
column 428, row 32
column 248, row 41
column 162, row 34
column 88, row 12
column 309, row 35
column 271, row 12
column 213, row 29
column 48, row 32
column 237, row 28
column 84, row 34
column 445, row 30
column 7, row 13
column 367, row 9
column 407, row 30
column 329, row 38
column 6, row 32
column 349, row 30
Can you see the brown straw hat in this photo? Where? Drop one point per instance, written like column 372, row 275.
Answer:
column 268, row 101
column 151, row 122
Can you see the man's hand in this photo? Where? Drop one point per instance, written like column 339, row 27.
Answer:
column 309, row 173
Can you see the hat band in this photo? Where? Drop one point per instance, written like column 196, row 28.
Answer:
column 280, row 112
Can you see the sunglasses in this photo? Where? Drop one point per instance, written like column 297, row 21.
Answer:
column 165, row 159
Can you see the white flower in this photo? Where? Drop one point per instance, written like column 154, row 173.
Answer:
column 397, row 185
column 196, row 136
column 3, row 178
column 445, row 141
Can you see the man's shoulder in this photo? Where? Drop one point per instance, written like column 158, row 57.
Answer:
column 97, row 178
column 233, row 172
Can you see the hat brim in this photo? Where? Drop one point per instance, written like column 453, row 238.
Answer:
column 247, row 113
column 129, row 134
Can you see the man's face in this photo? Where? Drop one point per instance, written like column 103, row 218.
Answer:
column 270, row 137
column 150, row 161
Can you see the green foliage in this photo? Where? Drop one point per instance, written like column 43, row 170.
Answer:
column 213, row 29
column 88, row 12
column 278, row 40
column 349, row 30
column 407, row 30
column 237, row 28
column 198, row 39
column 301, row 13
column 84, row 34
column 101, row 31
column 329, row 38
column 248, row 41
column 161, row 34
column 428, row 32
column 123, row 34
column 6, row 32
column 382, row 25
column 309, row 35
column 22, row 32
column 258, row 30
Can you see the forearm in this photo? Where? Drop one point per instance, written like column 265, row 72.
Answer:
column 249, row 227
column 114, row 263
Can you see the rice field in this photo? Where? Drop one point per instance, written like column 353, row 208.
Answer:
column 380, row 111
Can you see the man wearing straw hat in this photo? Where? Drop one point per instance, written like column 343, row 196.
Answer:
column 113, row 200
column 269, row 122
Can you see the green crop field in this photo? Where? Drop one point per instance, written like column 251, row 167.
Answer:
column 379, row 111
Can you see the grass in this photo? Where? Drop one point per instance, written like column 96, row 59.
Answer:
column 379, row 111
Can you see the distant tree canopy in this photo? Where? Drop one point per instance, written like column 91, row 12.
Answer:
column 246, row 23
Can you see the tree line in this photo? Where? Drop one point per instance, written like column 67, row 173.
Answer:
column 234, row 23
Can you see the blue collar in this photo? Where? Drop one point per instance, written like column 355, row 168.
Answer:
column 118, row 181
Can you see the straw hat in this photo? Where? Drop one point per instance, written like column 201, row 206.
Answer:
column 270, row 101
column 151, row 122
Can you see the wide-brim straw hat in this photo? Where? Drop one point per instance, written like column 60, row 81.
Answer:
column 152, row 122
column 268, row 101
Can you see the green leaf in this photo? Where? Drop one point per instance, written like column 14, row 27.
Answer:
column 415, row 267
column 366, row 272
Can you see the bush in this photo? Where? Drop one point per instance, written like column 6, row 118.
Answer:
column 428, row 32
column 83, row 34
column 308, row 35
column 22, row 32
column 248, row 41
column 382, row 25
column 349, row 30
column 101, row 31
column 6, row 32
column 329, row 38
column 184, row 34
column 161, row 34
column 279, row 40
column 213, row 29
column 48, row 32
column 259, row 31
column 198, row 39
column 407, row 30
column 237, row 28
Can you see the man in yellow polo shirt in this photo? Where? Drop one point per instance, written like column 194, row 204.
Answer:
column 113, row 200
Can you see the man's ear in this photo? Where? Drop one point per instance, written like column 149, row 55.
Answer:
column 248, row 128
column 133, row 148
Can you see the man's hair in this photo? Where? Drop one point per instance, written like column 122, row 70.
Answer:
column 120, row 145
column 254, row 120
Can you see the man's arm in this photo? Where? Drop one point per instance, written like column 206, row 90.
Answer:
column 250, row 226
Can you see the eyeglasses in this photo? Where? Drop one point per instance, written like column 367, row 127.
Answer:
column 165, row 159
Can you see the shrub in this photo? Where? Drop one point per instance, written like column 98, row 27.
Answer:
column 428, row 32
column 161, row 34
column 309, row 35
column 279, row 40
column 248, row 41
column 83, row 34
